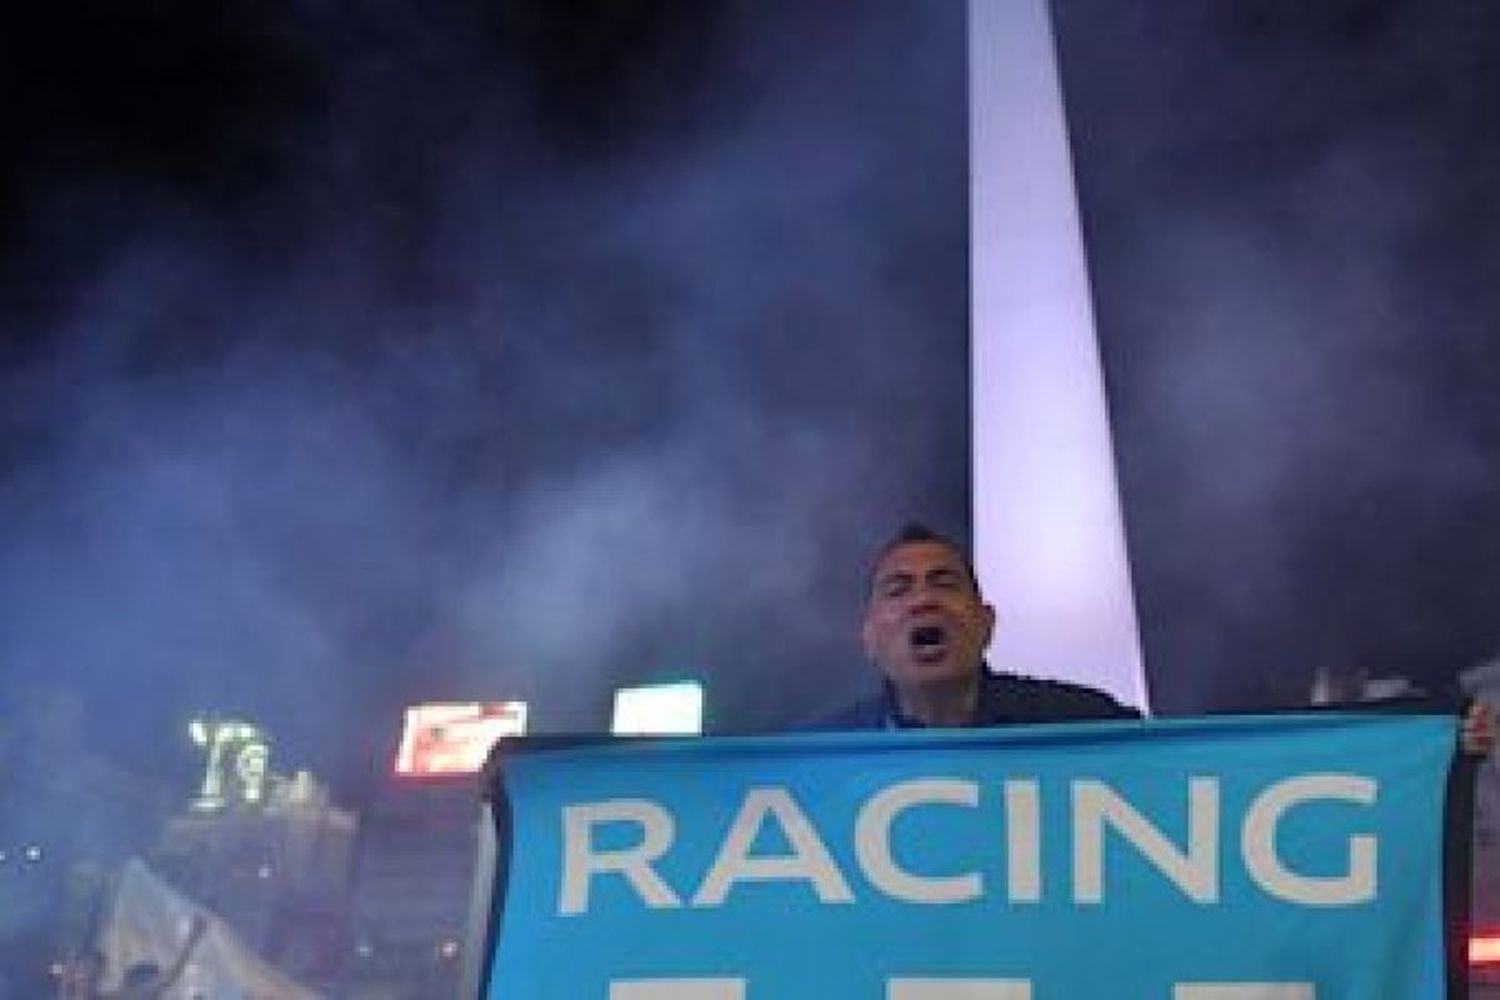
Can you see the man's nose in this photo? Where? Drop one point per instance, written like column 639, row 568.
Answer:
column 923, row 604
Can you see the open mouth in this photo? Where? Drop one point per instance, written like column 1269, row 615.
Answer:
column 929, row 641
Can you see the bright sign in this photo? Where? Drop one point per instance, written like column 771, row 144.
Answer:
column 455, row 738
column 237, row 756
column 1288, row 856
column 674, row 709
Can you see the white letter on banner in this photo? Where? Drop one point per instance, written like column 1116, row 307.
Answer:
column 1023, row 841
column 958, row 989
column 1196, row 873
column 809, row 860
column 581, row 862
column 1244, row 991
column 872, row 842
column 677, row 989
column 1258, row 842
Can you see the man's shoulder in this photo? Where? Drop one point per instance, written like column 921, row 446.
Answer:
column 867, row 713
column 1018, row 698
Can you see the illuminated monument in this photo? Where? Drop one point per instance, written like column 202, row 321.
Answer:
column 1048, row 540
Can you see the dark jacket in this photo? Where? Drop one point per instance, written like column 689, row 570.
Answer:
column 1004, row 699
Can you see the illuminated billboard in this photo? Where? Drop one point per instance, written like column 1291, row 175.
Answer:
column 455, row 738
column 237, row 756
column 674, row 709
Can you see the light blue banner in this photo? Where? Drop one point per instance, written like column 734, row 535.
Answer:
column 1282, row 857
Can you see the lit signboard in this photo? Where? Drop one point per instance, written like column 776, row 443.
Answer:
column 237, row 756
column 455, row 738
column 659, row 709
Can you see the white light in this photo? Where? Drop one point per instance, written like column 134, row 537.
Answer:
column 199, row 732
column 33, row 853
column 659, row 710
column 1484, row 949
column 1048, row 541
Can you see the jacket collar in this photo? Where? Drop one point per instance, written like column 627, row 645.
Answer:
column 892, row 718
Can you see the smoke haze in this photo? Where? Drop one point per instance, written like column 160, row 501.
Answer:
column 385, row 353
column 362, row 354
column 1297, row 307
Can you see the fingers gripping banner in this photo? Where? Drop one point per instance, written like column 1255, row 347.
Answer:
column 1284, row 857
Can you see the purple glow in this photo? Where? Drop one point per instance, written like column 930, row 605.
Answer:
column 1048, row 541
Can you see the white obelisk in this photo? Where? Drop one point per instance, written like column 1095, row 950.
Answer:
column 1048, row 538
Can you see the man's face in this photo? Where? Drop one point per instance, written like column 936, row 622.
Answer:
column 925, row 623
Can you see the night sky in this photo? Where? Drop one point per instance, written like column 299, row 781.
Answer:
column 361, row 353
column 1291, row 213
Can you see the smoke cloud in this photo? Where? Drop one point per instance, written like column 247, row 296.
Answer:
column 479, row 353
column 1296, row 325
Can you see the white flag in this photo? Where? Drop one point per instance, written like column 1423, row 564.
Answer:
column 149, row 921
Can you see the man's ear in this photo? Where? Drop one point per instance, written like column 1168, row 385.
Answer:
column 989, row 624
column 867, row 638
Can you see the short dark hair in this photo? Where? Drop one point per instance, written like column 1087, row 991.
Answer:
column 914, row 532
